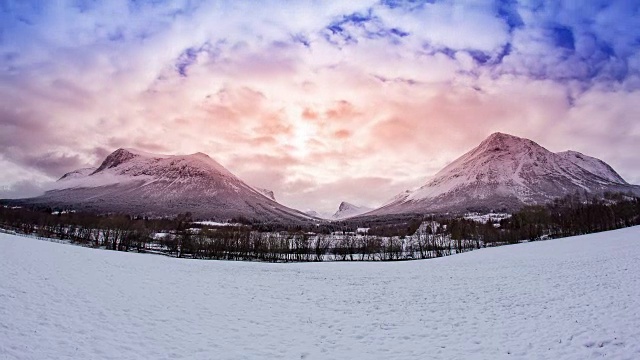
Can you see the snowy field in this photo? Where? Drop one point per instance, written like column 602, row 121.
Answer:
column 572, row 298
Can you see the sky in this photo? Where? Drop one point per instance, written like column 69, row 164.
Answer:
column 319, row 101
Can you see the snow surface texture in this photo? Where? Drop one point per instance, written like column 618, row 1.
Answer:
column 506, row 172
column 483, row 218
column 572, row 298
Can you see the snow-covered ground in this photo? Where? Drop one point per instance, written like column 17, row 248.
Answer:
column 216, row 223
column 572, row 298
column 483, row 218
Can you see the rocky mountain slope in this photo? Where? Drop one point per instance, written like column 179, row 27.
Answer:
column 506, row 172
column 139, row 183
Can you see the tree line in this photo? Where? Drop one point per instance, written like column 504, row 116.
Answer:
column 576, row 214
column 181, row 237
column 402, row 238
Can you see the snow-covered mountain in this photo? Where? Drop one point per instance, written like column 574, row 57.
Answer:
column 320, row 215
column 267, row 193
column 76, row 174
column 347, row 210
column 506, row 172
column 313, row 213
column 139, row 183
column 593, row 165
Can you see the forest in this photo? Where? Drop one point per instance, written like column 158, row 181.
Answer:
column 406, row 237
column 572, row 215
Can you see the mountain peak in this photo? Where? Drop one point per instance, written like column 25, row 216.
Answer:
column 346, row 210
column 200, row 155
column 266, row 192
column 498, row 138
column 116, row 158
column 141, row 153
column 345, row 206
column 77, row 173
column 139, row 159
column 501, row 135
column 501, row 143
column 592, row 165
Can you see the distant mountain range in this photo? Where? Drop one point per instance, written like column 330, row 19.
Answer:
column 348, row 210
column 138, row 183
column 504, row 173
column 345, row 210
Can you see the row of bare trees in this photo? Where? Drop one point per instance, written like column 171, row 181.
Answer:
column 178, row 238
column 242, row 244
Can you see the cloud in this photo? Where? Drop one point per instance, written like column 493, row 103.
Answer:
column 21, row 189
column 318, row 101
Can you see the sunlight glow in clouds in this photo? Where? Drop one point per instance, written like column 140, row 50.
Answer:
column 320, row 101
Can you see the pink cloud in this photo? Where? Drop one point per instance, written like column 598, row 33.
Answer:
column 271, row 98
